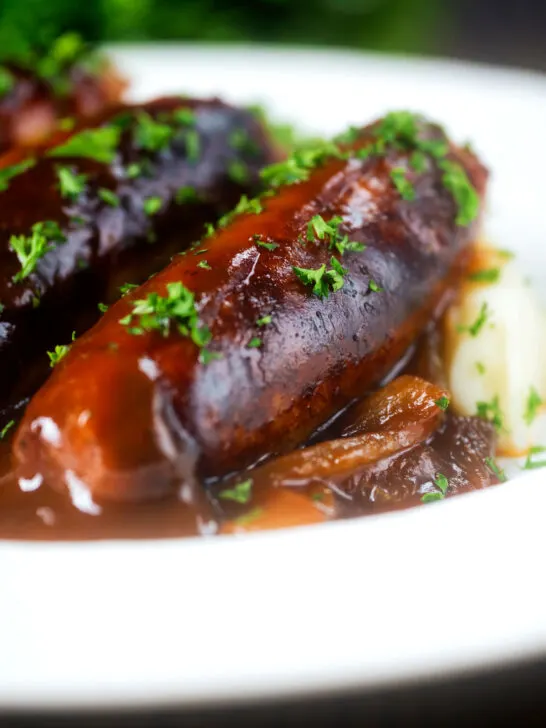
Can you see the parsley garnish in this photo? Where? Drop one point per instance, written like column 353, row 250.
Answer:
column 204, row 264
column 243, row 206
column 373, row 286
column 185, row 194
column 160, row 313
column 480, row 367
column 298, row 166
column 442, row 403
column 254, row 343
column 29, row 250
column 489, row 275
column 133, row 170
column 475, row 328
column 13, row 170
column 184, row 116
column 491, row 412
column 7, row 81
column 442, row 485
column 456, row 181
column 322, row 281
column 263, row 244
column 402, row 184
column 534, row 401
column 264, row 320
column 495, row 469
column 344, row 245
column 193, row 145
column 66, row 124
column 61, row 350
column 150, row 134
column 6, row 429
column 71, row 185
column 108, row 196
column 152, row 205
column 127, row 287
column 418, row 161
column 238, row 171
column 249, row 517
column 240, row 493
column 531, row 464
column 98, row 144
column 103, row 308
column 206, row 356
column 209, row 230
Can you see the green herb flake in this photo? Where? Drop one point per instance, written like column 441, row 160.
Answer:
column 254, row 343
column 66, row 124
column 162, row 313
column 185, row 194
column 109, row 197
column 418, row 161
column 244, row 206
column 263, row 244
column 150, row 134
column 238, row 172
column 264, row 320
column 204, row 264
column 98, row 144
column 480, row 366
column 534, row 402
column 6, row 429
column 71, row 185
column 373, row 286
column 240, row 493
column 60, row 351
column 7, row 81
column 298, row 166
column 475, row 328
column 530, row 462
column 249, row 517
column 344, row 245
column 321, row 280
column 491, row 412
column 193, row 145
column 206, row 356
column 402, row 184
column 152, row 205
column 442, row 485
column 8, row 173
column 495, row 469
column 133, row 170
column 31, row 249
column 127, row 288
column 456, row 180
column 103, row 307
column 489, row 275
column 442, row 403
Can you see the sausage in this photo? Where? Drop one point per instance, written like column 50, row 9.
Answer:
column 147, row 401
column 37, row 94
column 111, row 222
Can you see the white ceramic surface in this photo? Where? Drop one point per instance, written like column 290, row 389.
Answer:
column 408, row 596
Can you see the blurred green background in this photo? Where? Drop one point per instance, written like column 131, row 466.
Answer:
column 499, row 31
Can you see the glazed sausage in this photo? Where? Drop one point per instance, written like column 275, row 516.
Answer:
column 36, row 95
column 173, row 165
column 297, row 329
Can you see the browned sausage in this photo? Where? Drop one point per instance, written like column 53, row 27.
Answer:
column 169, row 167
column 145, row 402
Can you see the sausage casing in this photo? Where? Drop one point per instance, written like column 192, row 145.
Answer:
column 131, row 414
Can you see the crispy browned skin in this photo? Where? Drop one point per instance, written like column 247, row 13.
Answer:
column 31, row 110
column 107, row 246
column 131, row 416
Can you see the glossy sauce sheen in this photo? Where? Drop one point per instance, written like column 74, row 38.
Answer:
column 107, row 245
column 30, row 111
column 131, row 417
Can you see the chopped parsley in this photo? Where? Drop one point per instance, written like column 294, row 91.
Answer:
column 491, row 412
column 299, row 165
column 244, row 205
column 240, row 493
column 98, row 144
column 161, row 313
column 185, row 194
column 206, row 356
column 321, row 280
column 263, row 244
column 489, row 275
column 103, row 308
column 402, row 184
column 344, row 245
column 193, row 144
column 475, row 328
column 6, row 429
column 249, row 517
column 238, row 172
column 7, row 173
column 151, row 135
column 495, row 469
column 127, row 287
column 456, row 181
column 209, row 230
column 133, row 170
column 184, row 116
column 442, row 403
column 254, row 343
column 152, row 205
column 66, row 124
column 442, row 485
column 71, row 185
column 373, row 286
column 480, row 366
column 418, row 161
column 264, row 320
column 534, row 401
column 204, row 264
column 530, row 463
column 109, row 197
column 30, row 249
column 60, row 351
column 7, row 81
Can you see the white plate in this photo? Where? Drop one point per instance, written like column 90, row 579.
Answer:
column 408, row 596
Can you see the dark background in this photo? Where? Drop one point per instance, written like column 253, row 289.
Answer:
column 499, row 31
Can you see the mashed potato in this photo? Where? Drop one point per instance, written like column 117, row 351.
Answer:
column 496, row 352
